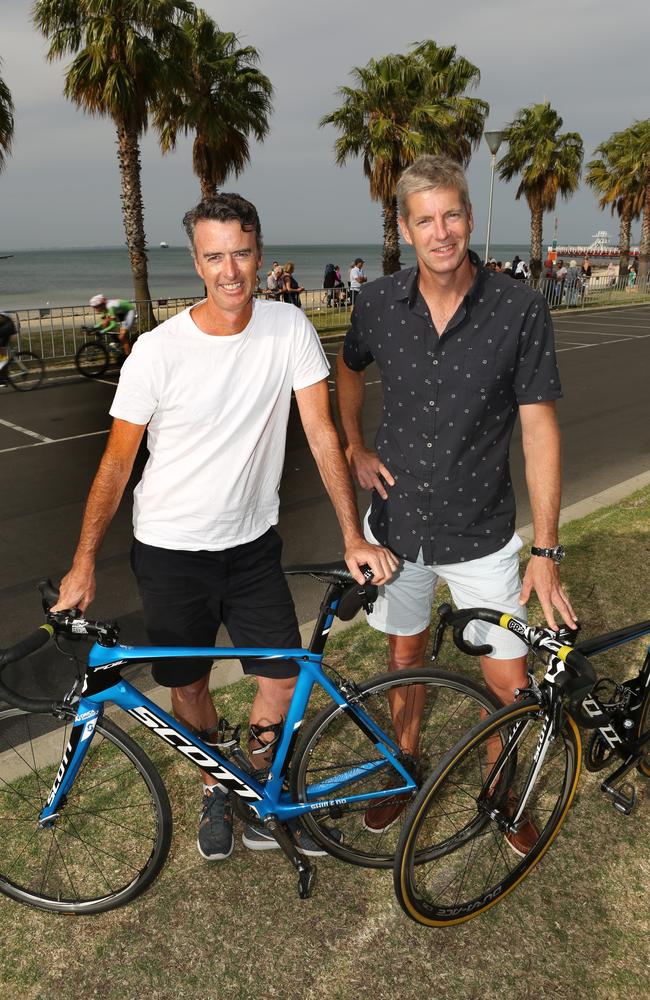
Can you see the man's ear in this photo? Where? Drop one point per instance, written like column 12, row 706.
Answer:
column 403, row 228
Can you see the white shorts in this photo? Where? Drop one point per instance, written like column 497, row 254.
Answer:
column 403, row 606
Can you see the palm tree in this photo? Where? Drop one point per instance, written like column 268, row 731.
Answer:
column 6, row 122
column 636, row 162
column 402, row 106
column 618, row 187
column 222, row 97
column 118, row 71
column 549, row 164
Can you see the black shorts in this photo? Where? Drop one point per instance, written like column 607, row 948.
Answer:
column 187, row 595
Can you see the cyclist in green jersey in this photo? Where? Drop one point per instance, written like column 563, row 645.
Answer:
column 115, row 317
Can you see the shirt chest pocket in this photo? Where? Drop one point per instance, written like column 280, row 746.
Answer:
column 484, row 369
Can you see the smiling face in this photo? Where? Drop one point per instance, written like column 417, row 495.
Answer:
column 438, row 227
column 226, row 257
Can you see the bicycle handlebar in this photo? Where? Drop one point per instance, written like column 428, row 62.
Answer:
column 576, row 682
column 18, row 652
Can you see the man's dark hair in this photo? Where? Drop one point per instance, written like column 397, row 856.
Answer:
column 224, row 207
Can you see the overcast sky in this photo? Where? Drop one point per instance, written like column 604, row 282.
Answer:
column 588, row 57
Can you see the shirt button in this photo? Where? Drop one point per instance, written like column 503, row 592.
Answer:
column 434, row 362
column 429, row 445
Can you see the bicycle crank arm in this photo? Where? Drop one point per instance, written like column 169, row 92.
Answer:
column 306, row 871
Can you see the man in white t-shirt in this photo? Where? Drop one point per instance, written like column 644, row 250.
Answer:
column 357, row 278
column 212, row 387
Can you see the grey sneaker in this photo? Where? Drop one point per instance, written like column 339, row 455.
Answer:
column 215, row 840
column 256, row 838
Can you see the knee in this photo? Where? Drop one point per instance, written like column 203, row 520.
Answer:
column 407, row 650
column 191, row 694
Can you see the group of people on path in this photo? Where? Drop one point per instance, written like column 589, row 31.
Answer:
column 281, row 284
column 461, row 353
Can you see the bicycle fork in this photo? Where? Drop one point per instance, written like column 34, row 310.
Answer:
column 83, row 729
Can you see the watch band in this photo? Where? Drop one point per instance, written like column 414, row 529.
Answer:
column 557, row 553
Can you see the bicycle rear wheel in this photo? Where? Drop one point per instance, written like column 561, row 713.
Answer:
column 91, row 359
column 25, row 371
column 454, row 860
column 112, row 834
column 426, row 712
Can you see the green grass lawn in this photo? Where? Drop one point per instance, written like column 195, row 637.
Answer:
column 577, row 928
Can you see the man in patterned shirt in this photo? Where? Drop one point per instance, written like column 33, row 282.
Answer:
column 461, row 350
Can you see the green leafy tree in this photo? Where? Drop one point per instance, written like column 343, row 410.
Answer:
column 549, row 163
column 402, row 106
column 119, row 70
column 617, row 187
column 6, row 122
column 221, row 97
column 636, row 161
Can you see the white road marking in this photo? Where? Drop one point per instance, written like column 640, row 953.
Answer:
column 39, row 444
column 24, row 430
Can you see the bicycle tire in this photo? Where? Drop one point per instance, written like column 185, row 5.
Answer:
column 25, row 371
column 644, row 724
column 332, row 743
column 112, row 834
column 466, row 850
column 92, row 359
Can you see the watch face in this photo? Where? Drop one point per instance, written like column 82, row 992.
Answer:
column 559, row 553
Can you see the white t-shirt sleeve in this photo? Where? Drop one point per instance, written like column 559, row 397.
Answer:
column 310, row 364
column 137, row 396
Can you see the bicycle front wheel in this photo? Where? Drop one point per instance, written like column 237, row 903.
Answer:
column 112, row 834
column 25, row 371
column 425, row 712
column 644, row 725
column 456, row 858
column 91, row 359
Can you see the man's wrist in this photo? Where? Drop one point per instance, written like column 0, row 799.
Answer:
column 554, row 552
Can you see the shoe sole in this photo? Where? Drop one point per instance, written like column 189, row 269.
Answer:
column 373, row 829
column 215, row 857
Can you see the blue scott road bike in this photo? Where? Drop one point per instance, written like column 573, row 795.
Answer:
column 85, row 820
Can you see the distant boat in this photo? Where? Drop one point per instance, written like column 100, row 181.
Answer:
column 601, row 247
column 163, row 245
column 6, row 256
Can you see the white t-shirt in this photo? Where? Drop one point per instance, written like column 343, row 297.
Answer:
column 217, row 410
column 355, row 274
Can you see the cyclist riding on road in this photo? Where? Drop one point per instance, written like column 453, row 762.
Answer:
column 7, row 331
column 116, row 318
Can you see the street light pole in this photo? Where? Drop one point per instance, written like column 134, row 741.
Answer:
column 494, row 140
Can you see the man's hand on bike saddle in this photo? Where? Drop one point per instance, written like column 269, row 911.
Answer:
column 77, row 588
column 543, row 576
column 382, row 562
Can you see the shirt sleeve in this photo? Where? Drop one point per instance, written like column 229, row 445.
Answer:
column 137, row 396
column 356, row 352
column 536, row 377
column 310, row 363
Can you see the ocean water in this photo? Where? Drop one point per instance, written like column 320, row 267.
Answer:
column 58, row 277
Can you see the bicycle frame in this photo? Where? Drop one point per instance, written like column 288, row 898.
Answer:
column 103, row 684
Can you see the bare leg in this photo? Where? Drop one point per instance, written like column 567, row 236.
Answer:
column 502, row 677
column 269, row 707
column 193, row 706
column 407, row 703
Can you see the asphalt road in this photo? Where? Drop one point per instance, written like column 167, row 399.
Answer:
column 51, row 441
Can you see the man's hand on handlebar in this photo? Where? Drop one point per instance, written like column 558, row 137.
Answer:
column 381, row 561
column 77, row 588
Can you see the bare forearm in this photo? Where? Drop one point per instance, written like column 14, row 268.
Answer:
column 103, row 500
column 335, row 474
column 541, row 444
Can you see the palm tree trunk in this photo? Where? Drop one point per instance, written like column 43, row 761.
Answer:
column 128, row 154
column 625, row 235
column 391, row 261
column 536, row 218
column 644, row 245
column 208, row 190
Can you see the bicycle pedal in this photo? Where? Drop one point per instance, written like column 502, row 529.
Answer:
column 623, row 798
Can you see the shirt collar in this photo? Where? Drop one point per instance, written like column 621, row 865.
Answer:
column 406, row 288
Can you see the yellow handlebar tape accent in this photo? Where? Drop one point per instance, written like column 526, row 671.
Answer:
column 504, row 619
column 564, row 651
column 47, row 628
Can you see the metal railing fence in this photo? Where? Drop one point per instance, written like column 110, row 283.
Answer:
column 56, row 332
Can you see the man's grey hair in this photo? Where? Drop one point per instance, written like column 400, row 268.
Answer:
column 428, row 172
column 224, row 207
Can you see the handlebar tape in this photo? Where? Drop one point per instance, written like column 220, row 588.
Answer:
column 18, row 652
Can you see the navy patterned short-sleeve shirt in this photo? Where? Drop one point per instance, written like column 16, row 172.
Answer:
column 450, row 405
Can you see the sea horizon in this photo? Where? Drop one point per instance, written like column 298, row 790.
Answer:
column 69, row 276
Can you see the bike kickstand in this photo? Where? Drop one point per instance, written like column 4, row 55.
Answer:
column 306, row 871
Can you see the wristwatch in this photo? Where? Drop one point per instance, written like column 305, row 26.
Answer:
column 557, row 554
